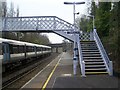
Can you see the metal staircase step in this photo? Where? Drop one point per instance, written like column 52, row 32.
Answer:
column 85, row 45
column 92, row 58
column 95, row 66
column 91, row 55
column 96, row 69
column 85, row 42
column 94, row 63
column 90, row 50
column 88, row 44
column 95, row 60
column 88, row 47
column 91, row 45
column 95, row 73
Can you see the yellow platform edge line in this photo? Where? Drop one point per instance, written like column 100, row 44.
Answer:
column 48, row 79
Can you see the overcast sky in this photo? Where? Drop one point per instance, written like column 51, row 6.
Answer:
column 49, row 8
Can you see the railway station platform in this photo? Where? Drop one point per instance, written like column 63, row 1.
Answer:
column 59, row 74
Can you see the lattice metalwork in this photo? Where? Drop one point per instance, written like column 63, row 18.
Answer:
column 35, row 23
column 85, row 36
column 42, row 23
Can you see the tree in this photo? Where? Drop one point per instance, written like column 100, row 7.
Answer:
column 4, row 8
column 83, row 24
column 108, row 26
column 102, row 18
column 17, row 12
column 11, row 12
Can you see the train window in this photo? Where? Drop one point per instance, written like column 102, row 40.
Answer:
column 30, row 49
column 11, row 49
column 15, row 49
column 20, row 49
column 27, row 49
column 39, row 49
column 43, row 49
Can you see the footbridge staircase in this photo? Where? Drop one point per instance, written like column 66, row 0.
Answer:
column 88, row 48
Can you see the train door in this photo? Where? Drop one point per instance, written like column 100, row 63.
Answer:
column 6, row 52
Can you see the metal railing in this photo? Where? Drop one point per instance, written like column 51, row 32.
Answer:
column 35, row 23
column 86, row 36
column 108, row 63
column 81, row 61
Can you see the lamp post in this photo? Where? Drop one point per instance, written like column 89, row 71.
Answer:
column 74, row 3
column 75, row 59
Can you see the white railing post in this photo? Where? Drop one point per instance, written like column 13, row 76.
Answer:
column 111, row 68
column 75, row 58
column 74, row 65
column 91, row 35
column 83, row 69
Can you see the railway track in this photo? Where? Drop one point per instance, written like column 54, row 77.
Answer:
column 19, row 78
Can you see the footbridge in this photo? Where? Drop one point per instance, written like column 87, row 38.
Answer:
column 88, row 49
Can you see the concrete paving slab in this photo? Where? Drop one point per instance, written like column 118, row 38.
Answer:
column 93, row 81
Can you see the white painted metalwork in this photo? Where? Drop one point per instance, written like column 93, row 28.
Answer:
column 81, row 62
column 108, row 63
column 85, row 36
column 36, row 23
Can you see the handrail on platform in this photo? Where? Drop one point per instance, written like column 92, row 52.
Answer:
column 82, row 63
column 104, row 55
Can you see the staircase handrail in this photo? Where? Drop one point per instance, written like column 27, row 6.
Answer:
column 103, row 52
column 82, row 63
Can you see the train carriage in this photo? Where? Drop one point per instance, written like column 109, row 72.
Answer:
column 13, row 51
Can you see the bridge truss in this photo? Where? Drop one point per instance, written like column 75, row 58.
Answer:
column 45, row 23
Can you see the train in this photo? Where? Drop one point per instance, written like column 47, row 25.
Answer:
column 13, row 52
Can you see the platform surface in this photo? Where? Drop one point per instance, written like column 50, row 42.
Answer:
column 99, row 81
column 59, row 74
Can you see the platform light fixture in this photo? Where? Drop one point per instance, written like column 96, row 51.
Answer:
column 74, row 3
